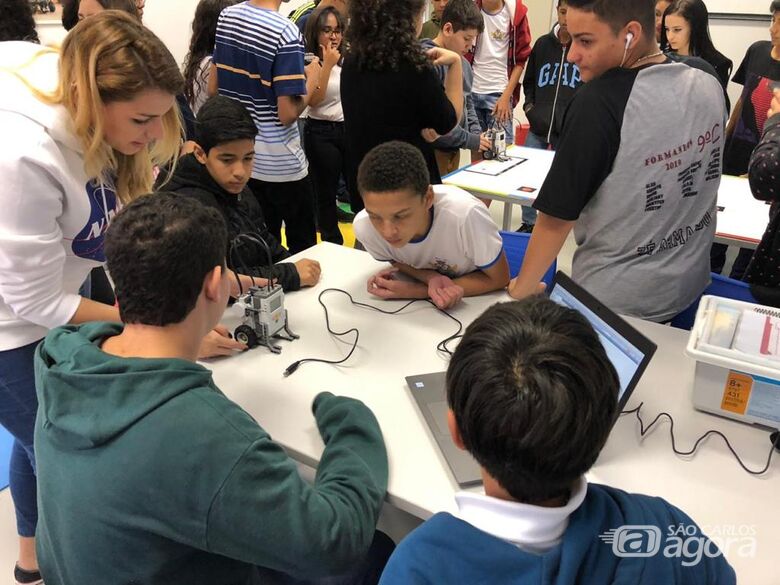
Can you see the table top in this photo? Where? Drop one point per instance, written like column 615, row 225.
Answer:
column 520, row 184
column 710, row 487
column 743, row 219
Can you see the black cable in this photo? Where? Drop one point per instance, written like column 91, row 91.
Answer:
column 257, row 239
column 238, row 280
column 645, row 430
column 234, row 249
column 441, row 346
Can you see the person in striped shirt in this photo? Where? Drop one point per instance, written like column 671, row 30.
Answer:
column 258, row 60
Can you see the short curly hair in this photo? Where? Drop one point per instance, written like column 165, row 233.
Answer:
column 17, row 23
column 393, row 166
column 382, row 36
column 159, row 249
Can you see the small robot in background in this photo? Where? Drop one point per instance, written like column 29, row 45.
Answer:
column 264, row 318
column 497, row 137
column 42, row 6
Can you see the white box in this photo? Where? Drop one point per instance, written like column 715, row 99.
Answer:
column 729, row 382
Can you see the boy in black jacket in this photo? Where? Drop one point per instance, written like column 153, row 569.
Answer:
column 217, row 173
column 550, row 83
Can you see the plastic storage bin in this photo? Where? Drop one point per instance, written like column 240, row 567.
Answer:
column 733, row 343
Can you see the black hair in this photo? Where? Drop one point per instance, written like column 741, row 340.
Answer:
column 123, row 5
column 774, row 7
column 204, row 36
column 534, row 396
column 393, row 166
column 222, row 120
column 17, row 22
column 463, row 15
column 314, row 25
column 70, row 13
column 696, row 14
column 159, row 249
column 618, row 13
column 381, row 34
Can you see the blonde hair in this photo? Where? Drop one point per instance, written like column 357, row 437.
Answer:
column 107, row 58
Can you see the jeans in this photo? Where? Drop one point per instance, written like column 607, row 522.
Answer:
column 718, row 260
column 484, row 104
column 291, row 203
column 325, row 150
column 366, row 573
column 533, row 141
column 18, row 407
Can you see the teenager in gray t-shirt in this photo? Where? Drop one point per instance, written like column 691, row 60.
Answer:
column 636, row 172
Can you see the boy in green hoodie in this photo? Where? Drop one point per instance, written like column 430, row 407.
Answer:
column 148, row 474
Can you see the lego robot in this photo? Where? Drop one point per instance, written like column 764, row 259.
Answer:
column 497, row 137
column 264, row 318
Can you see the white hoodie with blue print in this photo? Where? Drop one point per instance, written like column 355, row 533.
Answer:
column 52, row 217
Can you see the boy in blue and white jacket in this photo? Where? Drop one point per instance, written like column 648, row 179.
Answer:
column 550, row 83
column 533, row 397
column 461, row 23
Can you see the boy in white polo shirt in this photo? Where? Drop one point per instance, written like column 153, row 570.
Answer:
column 441, row 237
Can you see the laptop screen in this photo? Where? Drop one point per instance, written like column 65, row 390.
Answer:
column 629, row 356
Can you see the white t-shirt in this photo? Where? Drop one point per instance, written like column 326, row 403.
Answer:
column 200, row 84
column 329, row 109
column 491, row 54
column 462, row 238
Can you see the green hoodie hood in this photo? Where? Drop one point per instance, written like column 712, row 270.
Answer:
column 87, row 397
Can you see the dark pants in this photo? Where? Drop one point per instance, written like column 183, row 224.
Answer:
column 101, row 289
column 718, row 260
column 365, row 573
column 291, row 203
column 18, row 406
column 324, row 145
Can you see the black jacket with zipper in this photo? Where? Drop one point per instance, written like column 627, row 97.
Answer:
column 547, row 93
column 242, row 215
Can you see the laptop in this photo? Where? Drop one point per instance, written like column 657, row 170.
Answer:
column 628, row 350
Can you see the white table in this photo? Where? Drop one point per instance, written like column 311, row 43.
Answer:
column 711, row 488
column 742, row 221
column 518, row 185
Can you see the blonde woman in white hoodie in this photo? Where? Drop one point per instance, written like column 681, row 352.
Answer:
column 82, row 129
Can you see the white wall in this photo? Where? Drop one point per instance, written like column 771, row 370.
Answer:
column 171, row 20
column 732, row 38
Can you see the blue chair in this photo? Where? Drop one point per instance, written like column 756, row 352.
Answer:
column 6, row 444
column 721, row 286
column 515, row 245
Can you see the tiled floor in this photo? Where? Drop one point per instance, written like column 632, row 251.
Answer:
column 8, row 541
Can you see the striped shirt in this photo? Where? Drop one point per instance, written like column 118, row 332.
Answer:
column 305, row 8
column 259, row 57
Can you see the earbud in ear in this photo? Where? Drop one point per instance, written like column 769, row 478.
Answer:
column 629, row 38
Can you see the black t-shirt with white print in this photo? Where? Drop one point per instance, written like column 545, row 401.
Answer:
column 638, row 167
column 756, row 75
